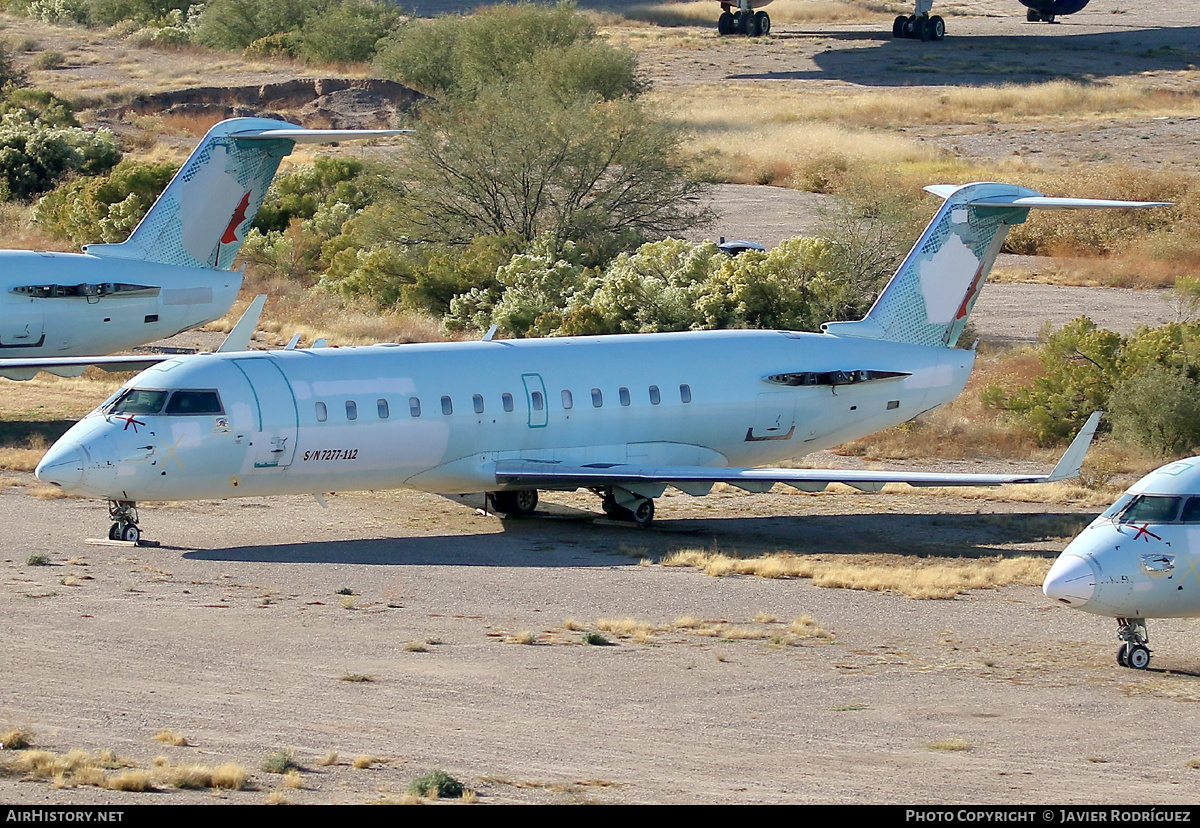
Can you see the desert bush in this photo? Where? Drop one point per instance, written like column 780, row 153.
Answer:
column 345, row 32
column 459, row 57
column 34, row 156
column 103, row 208
column 38, row 105
column 436, row 784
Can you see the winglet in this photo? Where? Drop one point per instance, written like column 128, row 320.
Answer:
column 239, row 337
column 1072, row 460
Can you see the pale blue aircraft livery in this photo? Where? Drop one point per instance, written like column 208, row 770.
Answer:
column 624, row 416
column 59, row 311
column 1138, row 560
column 741, row 17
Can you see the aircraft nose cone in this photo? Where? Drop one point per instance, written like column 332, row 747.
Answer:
column 62, row 466
column 1071, row 580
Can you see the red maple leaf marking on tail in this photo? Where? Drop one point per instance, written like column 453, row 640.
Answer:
column 239, row 215
column 971, row 291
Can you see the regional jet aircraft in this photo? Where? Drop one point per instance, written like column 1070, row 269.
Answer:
column 740, row 17
column 1137, row 561
column 59, row 310
column 624, row 416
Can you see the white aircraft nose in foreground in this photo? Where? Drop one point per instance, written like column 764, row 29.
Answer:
column 58, row 311
column 1138, row 560
column 624, row 416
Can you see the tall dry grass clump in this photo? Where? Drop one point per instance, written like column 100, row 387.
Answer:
column 902, row 575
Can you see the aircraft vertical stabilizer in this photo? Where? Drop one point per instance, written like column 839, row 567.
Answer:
column 931, row 296
column 202, row 217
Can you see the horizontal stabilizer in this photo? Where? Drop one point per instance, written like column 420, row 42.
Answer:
column 316, row 136
column 1042, row 202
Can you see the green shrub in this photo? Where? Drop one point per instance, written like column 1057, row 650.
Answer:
column 436, row 783
column 103, row 208
column 34, row 156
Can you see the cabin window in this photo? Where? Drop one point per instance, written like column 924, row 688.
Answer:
column 381, row 406
column 194, row 402
column 535, row 399
column 893, row 404
column 351, row 410
column 138, row 401
column 1152, row 509
column 655, row 397
column 477, row 401
column 623, row 393
column 567, row 399
column 507, row 401
column 447, row 406
column 685, row 393
column 414, row 407
column 322, row 412
column 597, row 398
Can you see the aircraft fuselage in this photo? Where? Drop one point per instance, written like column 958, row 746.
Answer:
column 438, row 417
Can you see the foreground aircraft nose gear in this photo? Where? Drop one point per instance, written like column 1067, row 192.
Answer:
column 125, row 521
column 1134, row 652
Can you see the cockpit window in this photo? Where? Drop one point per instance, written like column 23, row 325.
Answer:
column 138, row 401
column 1152, row 509
column 194, row 402
column 1191, row 511
column 1118, row 507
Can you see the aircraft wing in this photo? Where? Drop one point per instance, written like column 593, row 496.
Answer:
column 16, row 368
column 697, row 479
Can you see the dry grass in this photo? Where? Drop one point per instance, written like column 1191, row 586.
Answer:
column 899, row 574
column 15, row 737
column 105, row 770
column 170, row 737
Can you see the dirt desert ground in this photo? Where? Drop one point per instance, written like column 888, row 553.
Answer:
column 240, row 630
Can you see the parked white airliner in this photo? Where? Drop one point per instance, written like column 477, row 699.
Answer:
column 58, row 311
column 625, row 416
column 1138, row 560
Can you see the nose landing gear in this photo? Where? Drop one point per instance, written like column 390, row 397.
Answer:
column 125, row 521
column 1134, row 652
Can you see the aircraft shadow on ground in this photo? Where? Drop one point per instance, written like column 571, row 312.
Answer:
column 582, row 540
column 995, row 59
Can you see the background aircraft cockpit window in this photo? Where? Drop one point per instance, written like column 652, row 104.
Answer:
column 194, row 402
column 414, row 407
column 351, row 410
column 507, row 400
column 322, row 412
column 1191, row 511
column 655, row 396
column 1152, row 509
column 138, row 401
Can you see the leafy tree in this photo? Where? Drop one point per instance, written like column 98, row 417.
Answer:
column 347, row 31
column 1158, row 409
column 601, row 174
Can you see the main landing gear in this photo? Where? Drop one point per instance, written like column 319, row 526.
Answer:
column 519, row 503
column 1134, row 651
column 125, row 521
column 744, row 20
column 921, row 25
column 1035, row 16
column 619, row 505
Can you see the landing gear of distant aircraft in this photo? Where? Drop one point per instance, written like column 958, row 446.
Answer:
column 1035, row 16
column 921, row 25
column 125, row 521
column 520, row 502
column 1134, row 651
column 743, row 21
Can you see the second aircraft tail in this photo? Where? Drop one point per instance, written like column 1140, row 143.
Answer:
column 203, row 215
column 928, row 300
